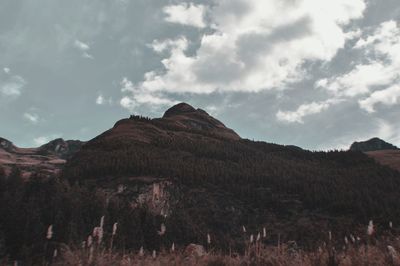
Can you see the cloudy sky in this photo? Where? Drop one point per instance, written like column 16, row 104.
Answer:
column 319, row 74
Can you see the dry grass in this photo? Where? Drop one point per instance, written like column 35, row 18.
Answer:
column 355, row 255
column 352, row 250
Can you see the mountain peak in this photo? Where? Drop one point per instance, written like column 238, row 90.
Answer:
column 179, row 109
column 186, row 116
column 374, row 144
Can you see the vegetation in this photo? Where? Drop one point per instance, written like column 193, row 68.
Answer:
column 216, row 188
column 350, row 255
column 222, row 184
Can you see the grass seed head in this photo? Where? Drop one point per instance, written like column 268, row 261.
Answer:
column 89, row 241
column 392, row 252
column 115, row 227
column 49, row 234
column 163, row 229
column 370, row 229
column 102, row 221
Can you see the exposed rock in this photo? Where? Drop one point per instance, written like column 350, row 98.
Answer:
column 195, row 250
column 155, row 198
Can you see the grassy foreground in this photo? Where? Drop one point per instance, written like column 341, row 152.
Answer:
column 99, row 249
column 378, row 253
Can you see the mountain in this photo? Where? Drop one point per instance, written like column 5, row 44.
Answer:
column 189, row 171
column 46, row 160
column 374, row 144
column 61, row 148
column 383, row 152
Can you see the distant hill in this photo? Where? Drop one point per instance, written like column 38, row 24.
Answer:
column 46, row 160
column 374, row 144
column 382, row 151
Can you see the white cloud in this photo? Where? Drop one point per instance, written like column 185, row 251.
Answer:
column 303, row 111
column 31, row 117
column 128, row 103
column 353, row 34
column 186, row 14
column 359, row 80
column 389, row 96
column 84, row 48
column 81, row 45
column 12, row 86
column 386, row 34
column 100, row 100
column 6, row 70
column 254, row 47
column 382, row 53
column 168, row 44
column 137, row 96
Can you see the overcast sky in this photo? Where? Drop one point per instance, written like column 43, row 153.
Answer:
column 319, row 74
